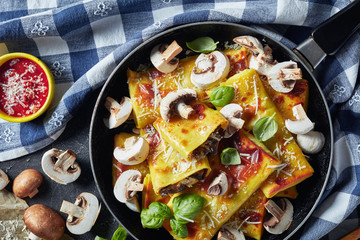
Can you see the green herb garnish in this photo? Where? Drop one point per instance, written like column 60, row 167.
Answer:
column 179, row 229
column 202, row 45
column 154, row 216
column 185, row 207
column 230, row 156
column 119, row 234
column 222, row 96
column 265, row 128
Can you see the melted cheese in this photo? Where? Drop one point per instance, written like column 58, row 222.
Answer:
column 281, row 144
column 186, row 135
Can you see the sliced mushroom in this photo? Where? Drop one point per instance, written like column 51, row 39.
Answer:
column 162, row 56
column 26, row 183
column 60, row 166
column 210, row 69
column 261, row 58
column 282, row 76
column 302, row 124
column 43, row 223
column 176, row 102
column 219, row 185
column 133, row 205
column 279, row 216
column 127, row 185
column 82, row 214
column 311, row 142
column 251, row 43
column 232, row 112
column 119, row 112
column 230, row 233
column 4, row 179
column 135, row 151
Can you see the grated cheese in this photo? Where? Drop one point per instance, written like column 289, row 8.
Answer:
column 256, row 97
column 287, row 140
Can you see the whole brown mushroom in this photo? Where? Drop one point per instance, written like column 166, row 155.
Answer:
column 43, row 222
column 26, row 183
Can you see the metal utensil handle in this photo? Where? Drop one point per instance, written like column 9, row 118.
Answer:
column 329, row 36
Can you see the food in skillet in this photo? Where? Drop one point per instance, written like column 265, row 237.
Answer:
column 218, row 143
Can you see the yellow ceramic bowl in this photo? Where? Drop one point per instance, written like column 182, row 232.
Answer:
column 51, row 81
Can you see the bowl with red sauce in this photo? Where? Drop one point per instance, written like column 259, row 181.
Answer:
column 27, row 87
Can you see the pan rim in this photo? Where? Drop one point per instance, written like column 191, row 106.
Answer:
column 176, row 28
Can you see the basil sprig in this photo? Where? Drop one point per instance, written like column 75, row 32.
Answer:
column 179, row 229
column 202, row 45
column 230, row 156
column 265, row 128
column 185, row 207
column 154, row 216
column 222, row 96
column 119, row 234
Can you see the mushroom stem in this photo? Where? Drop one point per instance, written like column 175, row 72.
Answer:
column 171, row 51
column 71, row 209
column 134, row 186
column 33, row 236
column 274, row 210
column 299, row 112
column 33, row 193
column 65, row 160
column 291, row 73
column 184, row 110
column 219, row 185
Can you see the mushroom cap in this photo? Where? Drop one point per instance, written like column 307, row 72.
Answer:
column 91, row 206
column 133, row 205
column 44, row 222
column 251, row 43
column 210, row 69
column 219, row 185
column 232, row 112
column 260, row 64
column 168, row 103
column 230, row 233
column 165, row 64
column 135, row 151
column 121, row 192
column 311, row 142
column 119, row 112
column 284, row 222
column 302, row 124
column 4, row 179
column 279, row 80
column 58, row 173
column 27, row 182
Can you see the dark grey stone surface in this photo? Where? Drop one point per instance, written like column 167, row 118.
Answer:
column 51, row 194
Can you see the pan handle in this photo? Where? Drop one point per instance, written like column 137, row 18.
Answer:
column 329, row 36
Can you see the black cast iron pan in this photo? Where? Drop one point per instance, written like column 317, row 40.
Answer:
column 310, row 191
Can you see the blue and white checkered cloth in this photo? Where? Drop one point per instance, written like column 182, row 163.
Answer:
column 83, row 41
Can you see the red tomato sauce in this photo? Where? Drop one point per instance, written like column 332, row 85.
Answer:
column 299, row 88
column 24, row 87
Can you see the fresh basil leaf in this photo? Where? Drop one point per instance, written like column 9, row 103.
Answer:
column 154, row 216
column 202, row 45
column 230, row 156
column 179, row 229
column 265, row 128
column 161, row 209
column 222, row 96
column 150, row 219
column 187, row 206
column 99, row 238
column 119, row 234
